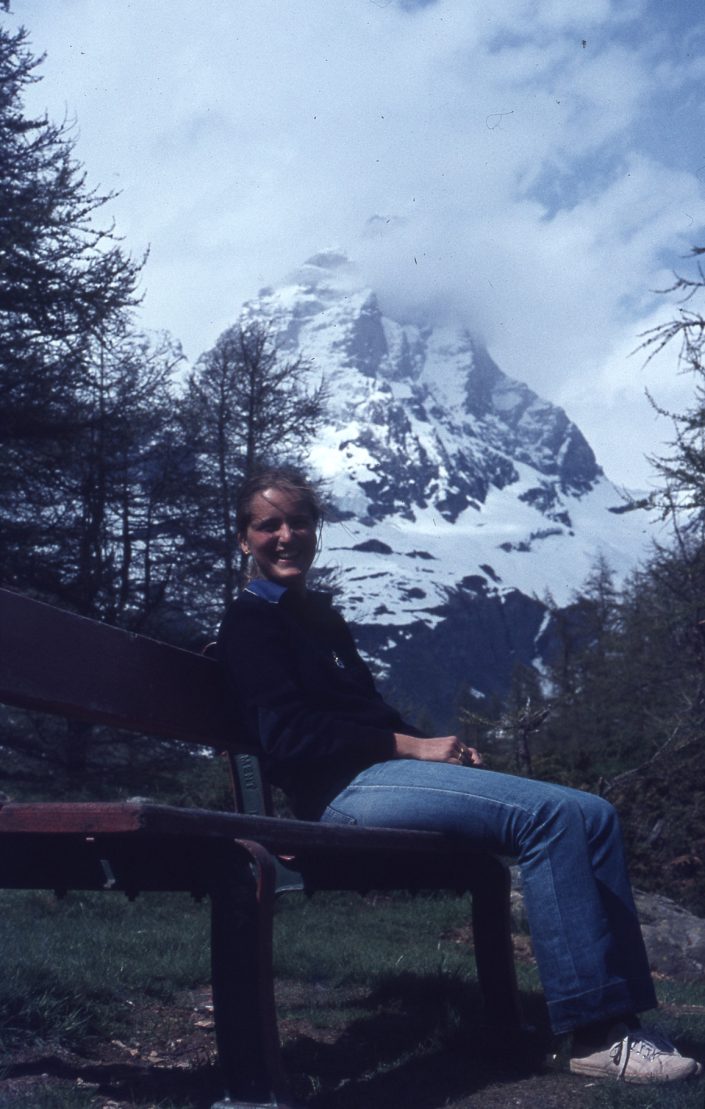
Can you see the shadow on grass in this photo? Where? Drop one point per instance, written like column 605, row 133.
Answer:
column 132, row 1083
column 420, row 1043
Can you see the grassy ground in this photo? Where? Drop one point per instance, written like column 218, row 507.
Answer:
column 104, row 1005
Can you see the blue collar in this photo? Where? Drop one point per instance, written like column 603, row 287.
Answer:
column 276, row 594
column 267, row 590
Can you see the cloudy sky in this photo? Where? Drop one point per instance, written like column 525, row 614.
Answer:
column 537, row 168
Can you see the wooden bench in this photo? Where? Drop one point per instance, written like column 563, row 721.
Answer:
column 60, row 663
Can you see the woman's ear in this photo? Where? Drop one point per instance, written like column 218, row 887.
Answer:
column 244, row 546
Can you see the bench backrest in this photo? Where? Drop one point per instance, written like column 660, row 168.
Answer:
column 54, row 661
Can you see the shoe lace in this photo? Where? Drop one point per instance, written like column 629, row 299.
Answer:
column 640, row 1044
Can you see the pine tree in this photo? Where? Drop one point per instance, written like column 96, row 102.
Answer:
column 64, row 281
column 680, row 570
column 246, row 405
column 87, row 474
column 682, row 470
column 584, row 735
column 122, row 487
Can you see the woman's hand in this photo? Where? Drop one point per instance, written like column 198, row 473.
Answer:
column 447, row 748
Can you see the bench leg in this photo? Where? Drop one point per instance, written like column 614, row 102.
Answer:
column 242, row 904
column 492, row 931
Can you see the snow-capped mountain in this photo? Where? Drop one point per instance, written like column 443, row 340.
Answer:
column 461, row 497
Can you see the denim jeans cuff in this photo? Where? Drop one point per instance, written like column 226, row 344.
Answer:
column 616, row 1000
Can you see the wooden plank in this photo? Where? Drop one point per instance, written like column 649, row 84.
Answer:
column 56, row 844
column 57, row 662
column 279, row 835
column 85, row 818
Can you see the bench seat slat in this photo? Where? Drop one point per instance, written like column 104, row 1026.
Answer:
column 278, row 835
column 140, row 847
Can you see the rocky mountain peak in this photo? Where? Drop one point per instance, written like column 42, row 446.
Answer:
column 453, row 484
column 439, row 420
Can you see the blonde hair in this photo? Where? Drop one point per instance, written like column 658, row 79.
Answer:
column 285, row 478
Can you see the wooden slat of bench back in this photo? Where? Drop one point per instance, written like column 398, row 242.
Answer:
column 54, row 661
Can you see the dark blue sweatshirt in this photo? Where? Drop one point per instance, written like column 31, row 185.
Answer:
column 297, row 682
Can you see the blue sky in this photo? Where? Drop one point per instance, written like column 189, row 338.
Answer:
column 538, row 167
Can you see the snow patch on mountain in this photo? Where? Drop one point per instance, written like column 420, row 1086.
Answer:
column 444, row 472
column 397, row 571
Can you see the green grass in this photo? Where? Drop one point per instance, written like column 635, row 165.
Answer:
column 391, row 935
column 69, row 969
column 381, row 994
column 49, row 1098
column 70, row 1097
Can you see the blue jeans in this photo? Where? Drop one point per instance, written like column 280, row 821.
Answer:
column 568, row 844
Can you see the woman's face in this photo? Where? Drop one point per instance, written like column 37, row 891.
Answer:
column 281, row 537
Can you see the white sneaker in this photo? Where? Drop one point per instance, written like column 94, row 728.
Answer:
column 641, row 1055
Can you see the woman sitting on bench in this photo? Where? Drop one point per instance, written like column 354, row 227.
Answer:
column 344, row 756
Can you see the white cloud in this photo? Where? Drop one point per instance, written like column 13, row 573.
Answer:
column 535, row 160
